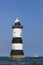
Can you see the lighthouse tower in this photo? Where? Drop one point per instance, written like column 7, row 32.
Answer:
column 17, row 46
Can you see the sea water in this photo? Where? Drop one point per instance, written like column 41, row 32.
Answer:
column 21, row 61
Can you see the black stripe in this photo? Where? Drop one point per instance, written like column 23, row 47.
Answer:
column 16, row 52
column 17, row 25
column 17, row 40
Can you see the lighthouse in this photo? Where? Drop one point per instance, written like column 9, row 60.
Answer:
column 17, row 43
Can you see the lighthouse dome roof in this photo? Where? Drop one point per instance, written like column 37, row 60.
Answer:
column 17, row 24
column 17, row 20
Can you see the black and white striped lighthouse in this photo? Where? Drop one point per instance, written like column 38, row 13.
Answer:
column 17, row 46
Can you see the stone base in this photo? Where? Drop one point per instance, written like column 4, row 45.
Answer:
column 17, row 56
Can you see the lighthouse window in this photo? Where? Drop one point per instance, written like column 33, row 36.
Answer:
column 14, row 32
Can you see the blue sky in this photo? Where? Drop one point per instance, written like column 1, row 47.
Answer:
column 30, row 13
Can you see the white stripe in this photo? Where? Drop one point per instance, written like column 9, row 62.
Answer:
column 17, row 32
column 17, row 46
